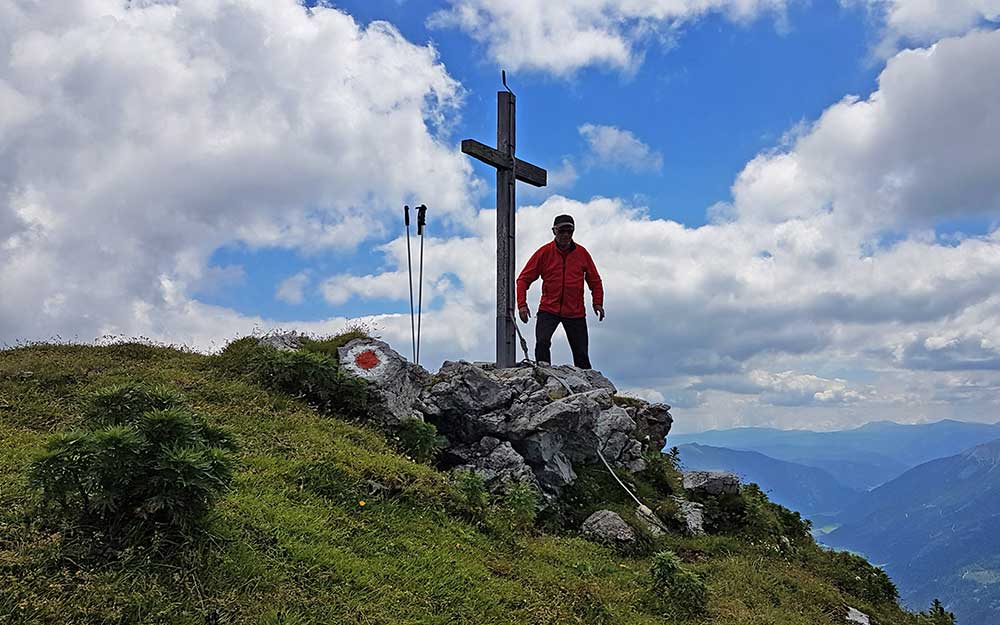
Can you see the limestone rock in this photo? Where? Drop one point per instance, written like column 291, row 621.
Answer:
column 512, row 423
column 650, row 521
column 713, row 483
column 282, row 341
column 496, row 462
column 607, row 527
column 692, row 514
column 461, row 390
column 653, row 422
column 398, row 382
column 857, row 616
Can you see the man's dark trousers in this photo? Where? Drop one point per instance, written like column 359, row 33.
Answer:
column 576, row 332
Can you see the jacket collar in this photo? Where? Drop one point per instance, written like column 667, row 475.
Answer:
column 572, row 247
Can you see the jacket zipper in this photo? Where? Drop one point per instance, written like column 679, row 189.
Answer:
column 562, row 292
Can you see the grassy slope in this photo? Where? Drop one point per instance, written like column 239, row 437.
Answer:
column 292, row 544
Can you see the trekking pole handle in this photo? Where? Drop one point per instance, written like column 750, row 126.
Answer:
column 421, row 218
column 406, row 215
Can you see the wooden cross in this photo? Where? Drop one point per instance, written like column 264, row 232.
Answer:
column 509, row 168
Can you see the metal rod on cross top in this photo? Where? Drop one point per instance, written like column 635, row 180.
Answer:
column 421, row 222
column 409, row 274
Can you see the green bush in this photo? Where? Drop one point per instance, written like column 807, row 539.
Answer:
column 471, row 496
column 937, row 615
column 682, row 592
column 662, row 472
column 123, row 404
column 330, row 345
column 751, row 513
column 520, row 505
column 317, row 379
column 856, row 576
column 136, row 470
column 420, row 440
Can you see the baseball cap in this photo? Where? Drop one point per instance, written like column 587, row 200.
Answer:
column 563, row 220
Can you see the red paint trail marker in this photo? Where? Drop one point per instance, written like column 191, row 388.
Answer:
column 367, row 360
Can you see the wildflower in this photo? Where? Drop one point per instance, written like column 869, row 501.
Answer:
column 362, row 503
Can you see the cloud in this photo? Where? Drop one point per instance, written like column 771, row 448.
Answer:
column 562, row 37
column 925, row 21
column 610, row 146
column 137, row 138
column 789, row 388
column 291, row 290
column 919, row 149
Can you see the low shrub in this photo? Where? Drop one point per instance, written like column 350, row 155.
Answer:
column 682, row 592
column 937, row 615
column 663, row 473
column 519, row 505
column 420, row 440
column 317, row 379
column 856, row 576
column 330, row 345
column 471, row 497
column 751, row 513
column 123, row 404
column 136, row 467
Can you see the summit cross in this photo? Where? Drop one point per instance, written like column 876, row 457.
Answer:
column 509, row 169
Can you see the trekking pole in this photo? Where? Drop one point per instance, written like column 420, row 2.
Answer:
column 409, row 273
column 421, row 222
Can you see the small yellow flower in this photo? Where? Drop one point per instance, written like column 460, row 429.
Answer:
column 362, row 503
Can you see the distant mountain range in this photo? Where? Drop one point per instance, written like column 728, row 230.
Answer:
column 861, row 458
column 811, row 491
column 936, row 530
column 931, row 518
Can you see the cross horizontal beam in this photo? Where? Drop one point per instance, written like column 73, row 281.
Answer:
column 523, row 170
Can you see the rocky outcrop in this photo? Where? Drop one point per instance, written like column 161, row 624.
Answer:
column 554, row 417
column 527, row 423
column 397, row 381
column 692, row 515
column 607, row 527
column 494, row 460
column 282, row 341
column 714, row 483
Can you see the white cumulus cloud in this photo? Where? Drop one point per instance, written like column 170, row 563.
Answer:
column 610, row 146
column 291, row 290
column 562, row 37
column 137, row 138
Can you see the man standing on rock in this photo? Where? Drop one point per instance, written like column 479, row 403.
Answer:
column 563, row 266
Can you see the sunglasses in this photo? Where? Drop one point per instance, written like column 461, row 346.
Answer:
column 564, row 229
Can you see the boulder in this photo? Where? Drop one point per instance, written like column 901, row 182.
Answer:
column 398, row 382
column 650, row 521
column 691, row 514
column 282, row 341
column 496, row 462
column 714, row 483
column 653, row 422
column 857, row 616
column 607, row 527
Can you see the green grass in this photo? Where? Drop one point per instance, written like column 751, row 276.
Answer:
column 292, row 543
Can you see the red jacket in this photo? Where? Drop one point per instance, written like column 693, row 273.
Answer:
column 563, row 274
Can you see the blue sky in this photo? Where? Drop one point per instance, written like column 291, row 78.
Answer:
column 794, row 204
column 721, row 94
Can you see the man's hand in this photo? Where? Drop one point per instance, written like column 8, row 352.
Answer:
column 599, row 311
column 524, row 314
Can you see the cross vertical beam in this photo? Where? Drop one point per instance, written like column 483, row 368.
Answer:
column 506, row 345
column 510, row 169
